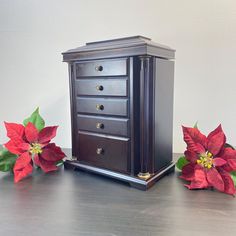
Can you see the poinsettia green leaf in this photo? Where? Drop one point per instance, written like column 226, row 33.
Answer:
column 59, row 163
column 182, row 161
column 7, row 160
column 196, row 125
column 233, row 176
column 36, row 119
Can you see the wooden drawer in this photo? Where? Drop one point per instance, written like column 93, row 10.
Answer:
column 105, row 106
column 105, row 152
column 112, row 67
column 102, row 87
column 103, row 125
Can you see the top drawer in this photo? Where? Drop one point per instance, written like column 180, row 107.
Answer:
column 112, row 67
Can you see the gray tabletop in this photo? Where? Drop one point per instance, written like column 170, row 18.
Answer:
column 78, row 203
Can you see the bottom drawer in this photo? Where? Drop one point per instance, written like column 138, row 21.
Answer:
column 105, row 152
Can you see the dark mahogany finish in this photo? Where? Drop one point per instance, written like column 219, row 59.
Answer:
column 104, row 151
column 101, row 68
column 102, row 106
column 122, row 109
column 104, row 125
column 102, row 87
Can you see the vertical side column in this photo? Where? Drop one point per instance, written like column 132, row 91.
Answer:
column 71, row 68
column 145, row 116
column 131, row 110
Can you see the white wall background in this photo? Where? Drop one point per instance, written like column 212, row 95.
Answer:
column 33, row 33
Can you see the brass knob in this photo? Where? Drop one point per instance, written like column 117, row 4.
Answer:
column 99, row 107
column 99, row 68
column 100, row 125
column 99, row 151
column 99, row 87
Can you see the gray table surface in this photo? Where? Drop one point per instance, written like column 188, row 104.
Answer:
column 78, row 203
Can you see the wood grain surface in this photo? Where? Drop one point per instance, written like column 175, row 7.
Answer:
column 83, row 204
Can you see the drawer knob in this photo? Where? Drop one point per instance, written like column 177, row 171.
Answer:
column 99, row 151
column 100, row 125
column 99, row 107
column 99, row 87
column 99, row 68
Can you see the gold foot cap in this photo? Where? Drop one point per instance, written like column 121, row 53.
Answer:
column 144, row 176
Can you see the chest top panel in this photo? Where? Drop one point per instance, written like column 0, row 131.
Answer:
column 122, row 47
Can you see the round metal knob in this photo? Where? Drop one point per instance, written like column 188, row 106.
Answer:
column 99, row 151
column 99, row 125
column 99, row 68
column 99, row 107
column 99, row 87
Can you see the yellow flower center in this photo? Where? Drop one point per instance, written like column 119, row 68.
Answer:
column 35, row 148
column 206, row 160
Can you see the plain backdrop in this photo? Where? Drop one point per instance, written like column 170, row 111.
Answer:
column 33, row 33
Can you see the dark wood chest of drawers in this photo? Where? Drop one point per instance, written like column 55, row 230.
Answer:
column 122, row 109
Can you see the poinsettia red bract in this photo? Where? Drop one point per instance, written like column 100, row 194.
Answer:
column 32, row 146
column 210, row 161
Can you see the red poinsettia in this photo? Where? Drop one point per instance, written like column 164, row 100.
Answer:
column 210, row 161
column 32, row 146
